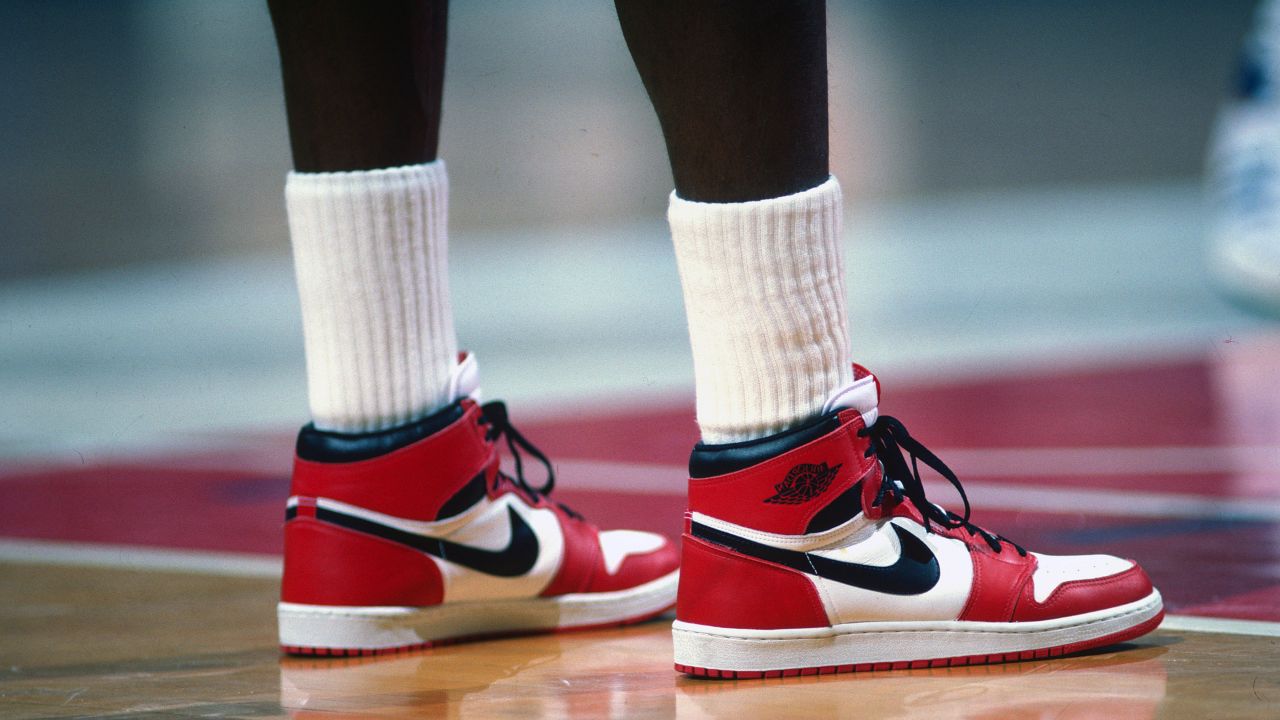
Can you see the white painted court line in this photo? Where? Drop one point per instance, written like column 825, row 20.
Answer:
column 1031, row 462
column 1114, row 503
column 1001, row 496
column 1093, row 461
column 1118, row 502
column 240, row 453
column 127, row 557
column 1226, row 626
column 122, row 557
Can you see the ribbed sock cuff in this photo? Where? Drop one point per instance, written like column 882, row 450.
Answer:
column 764, row 292
column 370, row 253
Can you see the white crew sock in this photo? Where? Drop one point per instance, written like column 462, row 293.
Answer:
column 764, row 293
column 369, row 248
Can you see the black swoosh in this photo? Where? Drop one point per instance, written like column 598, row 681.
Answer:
column 517, row 558
column 915, row 572
column 466, row 497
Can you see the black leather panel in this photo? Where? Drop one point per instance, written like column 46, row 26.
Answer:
column 470, row 494
column 843, row 508
column 333, row 447
column 712, row 460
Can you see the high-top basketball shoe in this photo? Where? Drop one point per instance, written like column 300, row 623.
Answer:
column 399, row 539
column 815, row 550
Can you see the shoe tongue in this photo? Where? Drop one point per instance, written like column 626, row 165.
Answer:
column 863, row 395
column 464, row 381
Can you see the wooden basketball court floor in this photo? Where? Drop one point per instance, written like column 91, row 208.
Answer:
column 143, row 585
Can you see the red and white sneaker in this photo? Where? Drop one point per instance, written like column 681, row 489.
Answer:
column 400, row 539
column 816, row 551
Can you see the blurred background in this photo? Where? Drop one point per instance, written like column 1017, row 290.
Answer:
column 1023, row 182
column 145, row 130
column 1026, row 234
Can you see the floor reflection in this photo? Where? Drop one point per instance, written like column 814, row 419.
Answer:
column 429, row 682
column 627, row 673
column 598, row 674
column 1126, row 682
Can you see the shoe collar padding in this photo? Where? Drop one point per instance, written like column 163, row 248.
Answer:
column 863, row 395
column 464, row 381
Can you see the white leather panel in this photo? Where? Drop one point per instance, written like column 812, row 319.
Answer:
column 616, row 545
column 491, row 529
column 944, row 601
column 1053, row 570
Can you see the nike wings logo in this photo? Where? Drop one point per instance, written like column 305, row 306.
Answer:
column 517, row 558
column 914, row 573
column 803, row 483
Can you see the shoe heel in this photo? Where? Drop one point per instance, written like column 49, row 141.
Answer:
column 721, row 588
column 348, row 631
column 327, row 565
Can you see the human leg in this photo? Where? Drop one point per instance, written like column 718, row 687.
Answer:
column 741, row 93
column 740, row 90
column 363, row 82
column 368, row 207
column 402, row 529
column 810, row 545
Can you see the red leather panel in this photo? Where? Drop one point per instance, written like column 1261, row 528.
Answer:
column 412, row 482
column 637, row 569
column 998, row 579
column 327, row 565
column 581, row 558
column 742, row 497
column 1082, row 596
column 724, row 589
column 860, row 372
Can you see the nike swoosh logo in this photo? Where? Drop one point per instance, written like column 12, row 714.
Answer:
column 914, row 573
column 516, row 559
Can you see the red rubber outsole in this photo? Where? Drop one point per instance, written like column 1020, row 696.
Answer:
column 365, row 652
column 960, row 661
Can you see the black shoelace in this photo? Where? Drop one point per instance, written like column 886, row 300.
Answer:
column 494, row 416
column 889, row 438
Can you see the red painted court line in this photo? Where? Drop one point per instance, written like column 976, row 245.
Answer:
column 1130, row 406
column 150, row 505
column 218, row 499
column 1216, row 566
column 1261, row 604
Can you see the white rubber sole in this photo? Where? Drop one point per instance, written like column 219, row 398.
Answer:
column 339, row 630
column 724, row 652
